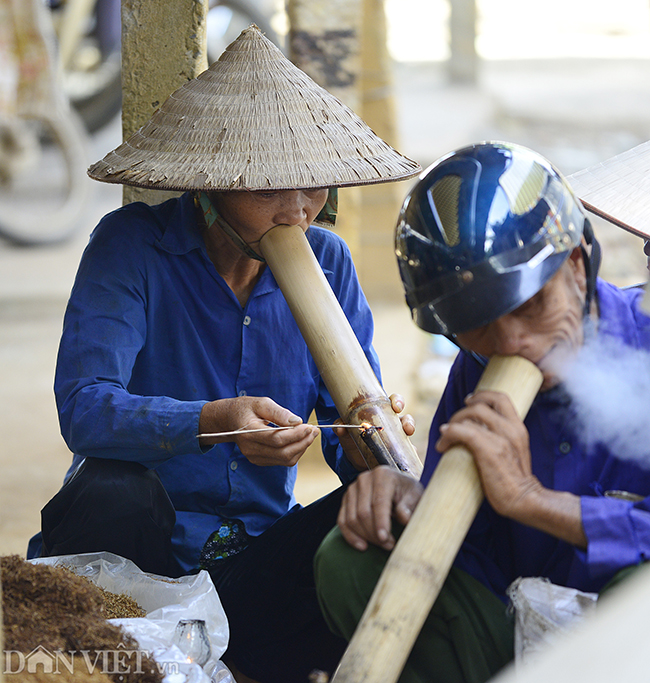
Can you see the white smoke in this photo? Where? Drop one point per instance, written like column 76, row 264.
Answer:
column 609, row 384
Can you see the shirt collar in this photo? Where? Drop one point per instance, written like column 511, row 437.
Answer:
column 267, row 282
column 181, row 232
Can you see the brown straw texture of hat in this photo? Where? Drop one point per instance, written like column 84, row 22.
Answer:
column 252, row 121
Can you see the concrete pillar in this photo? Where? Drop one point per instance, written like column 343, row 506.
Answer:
column 163, row 47
column 463, row 63
column 379, row 204
column 324, row 41
column 341, row 44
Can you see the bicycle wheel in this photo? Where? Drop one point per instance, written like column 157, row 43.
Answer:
column 92, row 77
column 96, row 94
column 227, row 19
column 43, row 182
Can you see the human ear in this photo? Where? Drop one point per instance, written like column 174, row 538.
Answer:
column 576, row 263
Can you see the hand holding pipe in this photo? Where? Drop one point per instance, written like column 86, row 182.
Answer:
column 424, row 553
column 351, row 381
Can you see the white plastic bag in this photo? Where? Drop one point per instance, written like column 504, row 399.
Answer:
column 543, row 611
column 166, row 602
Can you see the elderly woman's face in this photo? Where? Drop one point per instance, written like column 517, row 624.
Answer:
column 251, row 214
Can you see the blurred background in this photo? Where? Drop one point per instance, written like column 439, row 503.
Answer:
column 570, row 79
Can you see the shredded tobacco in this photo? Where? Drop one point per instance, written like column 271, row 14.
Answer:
column 56, row 610
column 114, row 605
column 120, row 606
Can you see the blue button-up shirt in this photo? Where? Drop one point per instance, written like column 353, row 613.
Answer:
column 152, row 332
column 498, row 550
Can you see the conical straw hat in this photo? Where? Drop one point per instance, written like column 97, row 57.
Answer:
column 252, row 121
column 618, row 189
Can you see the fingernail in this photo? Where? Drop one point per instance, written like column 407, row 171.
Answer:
column 294, row 420
column 444, row 427
column 382, row 535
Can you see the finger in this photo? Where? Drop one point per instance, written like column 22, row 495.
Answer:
column 490, row 411
column 397, row 403
column 476, row 437
column 408, row 424
column 410, row 498
column 495, row 412
column 341, row 432
column 282, row 437
column 457, row 433
column 498, row 401
column 346, row 519
column 270, row 411
column 361, row 517
column 359, row 523
column 276, row 449
column 382, row 502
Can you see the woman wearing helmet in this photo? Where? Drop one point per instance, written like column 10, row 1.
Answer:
column 495, row 252
column 175, row 328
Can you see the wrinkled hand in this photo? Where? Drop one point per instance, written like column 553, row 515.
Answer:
column 490, row 428
column 284, row 447
column 350, row 448
column 371, row 501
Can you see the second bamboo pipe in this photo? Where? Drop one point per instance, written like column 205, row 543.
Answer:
column 348, row 376
column 418, row 565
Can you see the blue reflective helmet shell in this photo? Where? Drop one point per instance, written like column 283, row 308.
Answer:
column 481, row 232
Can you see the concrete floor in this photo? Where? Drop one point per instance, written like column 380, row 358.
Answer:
column 576, row 113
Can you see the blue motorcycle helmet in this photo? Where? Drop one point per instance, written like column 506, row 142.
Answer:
column 482, row 231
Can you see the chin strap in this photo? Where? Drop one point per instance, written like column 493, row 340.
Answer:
column 203, row 203
column 592, row 264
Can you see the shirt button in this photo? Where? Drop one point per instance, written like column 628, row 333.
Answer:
column 565, row 447
column 233, row 465
column 242, row 393
column 247, row 320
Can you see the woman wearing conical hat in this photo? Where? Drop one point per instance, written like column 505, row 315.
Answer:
column 176, row 328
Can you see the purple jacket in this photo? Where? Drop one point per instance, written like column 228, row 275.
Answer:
column 498, row 550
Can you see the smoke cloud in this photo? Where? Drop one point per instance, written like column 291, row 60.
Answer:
column 610, row 387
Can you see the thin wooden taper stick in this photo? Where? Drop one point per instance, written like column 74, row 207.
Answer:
column 351, row 381
column 421, row 559
column 239, row 432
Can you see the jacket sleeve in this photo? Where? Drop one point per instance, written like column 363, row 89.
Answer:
column 618, row 534
column 497, row 550
column 104, row 330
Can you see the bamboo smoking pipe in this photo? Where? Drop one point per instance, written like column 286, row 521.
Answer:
column 424, row 553
column 348, row 376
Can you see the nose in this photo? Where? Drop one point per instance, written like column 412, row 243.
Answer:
column 291, row 209
column 510, row 336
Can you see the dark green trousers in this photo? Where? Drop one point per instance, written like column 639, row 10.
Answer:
column 467, row 638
